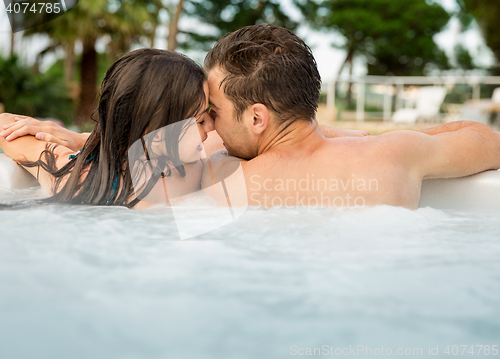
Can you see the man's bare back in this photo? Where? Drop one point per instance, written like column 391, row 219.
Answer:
column 309, row 170
column 339, row 172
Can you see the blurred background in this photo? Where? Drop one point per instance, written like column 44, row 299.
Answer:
column 385, row 64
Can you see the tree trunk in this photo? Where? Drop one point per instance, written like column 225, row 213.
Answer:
column 153, row 36
column 69, row 63
column 12, row 38
column 350, row 59
column 173, row 27
column 342, row 67
column 69, row 70
column 88, row 82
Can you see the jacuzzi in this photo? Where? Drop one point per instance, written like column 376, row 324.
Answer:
column 108, row 282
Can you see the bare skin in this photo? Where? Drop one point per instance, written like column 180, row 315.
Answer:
column 297, row 165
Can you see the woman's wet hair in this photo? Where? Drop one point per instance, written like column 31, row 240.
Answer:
column 143, row 91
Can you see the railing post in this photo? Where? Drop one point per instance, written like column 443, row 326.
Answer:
column 387, row 102
column 360, row 103
column 399, row 94
column 476, row 91
column 330, row 94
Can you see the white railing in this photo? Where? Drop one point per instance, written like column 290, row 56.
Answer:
column 399, row 82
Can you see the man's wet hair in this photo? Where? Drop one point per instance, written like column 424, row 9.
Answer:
column 270, row 65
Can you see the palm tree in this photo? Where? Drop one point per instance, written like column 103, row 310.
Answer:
column 173, row 27
column 121, row 22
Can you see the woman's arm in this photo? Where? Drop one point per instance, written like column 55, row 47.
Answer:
column 44, row 131
column 28, row 148
column 332, row 132
column 450, row 127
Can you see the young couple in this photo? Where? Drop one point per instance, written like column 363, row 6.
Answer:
column 261, row 98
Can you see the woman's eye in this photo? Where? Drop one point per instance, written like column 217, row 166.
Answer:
column 201, row 122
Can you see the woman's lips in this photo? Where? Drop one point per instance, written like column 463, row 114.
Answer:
column 199, row 148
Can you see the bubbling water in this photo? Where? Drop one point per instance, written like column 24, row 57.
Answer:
column 108, row 282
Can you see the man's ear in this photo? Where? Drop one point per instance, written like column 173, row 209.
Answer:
column 260, row 117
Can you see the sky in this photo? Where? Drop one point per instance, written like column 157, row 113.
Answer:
column 329, row 59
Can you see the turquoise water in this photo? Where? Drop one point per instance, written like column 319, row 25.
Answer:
column 88, row 282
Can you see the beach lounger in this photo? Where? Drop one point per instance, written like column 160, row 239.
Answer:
column 428, row 104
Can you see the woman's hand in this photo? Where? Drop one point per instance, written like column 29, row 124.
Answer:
column 44, row 131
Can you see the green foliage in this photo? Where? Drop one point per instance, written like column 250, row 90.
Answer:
column 230, row 15
column 39, row 95
column 396, row 37
column 487, row 14
column 123, row 21
column 459, row 94
column 464, row 58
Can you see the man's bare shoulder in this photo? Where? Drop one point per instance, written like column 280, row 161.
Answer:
column 395, row 138
column 404, row 148
column 396, row 149
column 402, row 142
column 390, row 144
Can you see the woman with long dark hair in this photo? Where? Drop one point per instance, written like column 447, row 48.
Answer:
column 151, row 94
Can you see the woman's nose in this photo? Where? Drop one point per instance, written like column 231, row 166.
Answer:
column 209, row 124
column 207, row 127
column 203, row 133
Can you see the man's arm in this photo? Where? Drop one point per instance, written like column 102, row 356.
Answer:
column 451, row 150
column 28, row 148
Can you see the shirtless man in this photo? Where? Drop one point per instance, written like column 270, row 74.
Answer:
column 264, row 87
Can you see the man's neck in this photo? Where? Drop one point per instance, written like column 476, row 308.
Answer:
column 289, row 136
